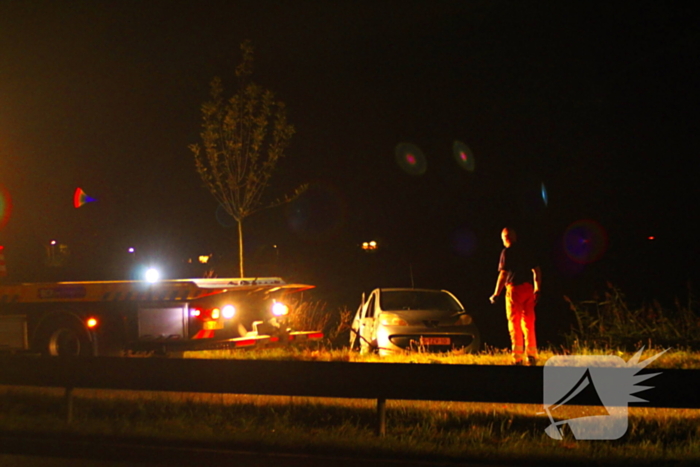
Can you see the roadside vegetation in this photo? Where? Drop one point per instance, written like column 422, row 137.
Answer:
column 610, row 322
column 437, row 431
column 444, row 431
column 682, row 359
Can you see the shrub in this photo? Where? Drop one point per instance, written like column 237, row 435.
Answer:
column 612, row 323
column 312, row 315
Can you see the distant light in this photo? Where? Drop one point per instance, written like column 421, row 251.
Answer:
column 131, row 250
column 204, row 259
column 152, row 275
column 52, row 242
column 91, row 323
column 371, row 245
column 651, row 237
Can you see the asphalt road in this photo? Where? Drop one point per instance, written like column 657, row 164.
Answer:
column 32, row 452
column 10, row 460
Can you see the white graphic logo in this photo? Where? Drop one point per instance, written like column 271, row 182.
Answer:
column 604, row 384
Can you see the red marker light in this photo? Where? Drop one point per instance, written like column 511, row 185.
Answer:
column 651, row 237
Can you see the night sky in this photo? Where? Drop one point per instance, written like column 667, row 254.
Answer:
column 595, row 100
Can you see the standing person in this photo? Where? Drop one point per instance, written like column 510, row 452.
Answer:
column 520, row 274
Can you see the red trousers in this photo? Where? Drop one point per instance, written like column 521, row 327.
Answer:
column 520, row 311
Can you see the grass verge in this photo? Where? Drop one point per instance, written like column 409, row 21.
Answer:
column 673, row 358
column 444, row 431
column 439, row 431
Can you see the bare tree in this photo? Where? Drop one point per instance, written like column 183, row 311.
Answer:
column 243, row 138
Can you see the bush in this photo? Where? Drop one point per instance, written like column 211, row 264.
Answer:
column 312, row 315
column 612, row 323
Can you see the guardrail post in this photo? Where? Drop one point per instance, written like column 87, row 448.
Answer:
column 68, row 402
column 381, row 417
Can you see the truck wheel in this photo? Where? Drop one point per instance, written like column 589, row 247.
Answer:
column 64, row 339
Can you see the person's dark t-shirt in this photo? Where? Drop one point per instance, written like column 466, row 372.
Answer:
column 518, row 263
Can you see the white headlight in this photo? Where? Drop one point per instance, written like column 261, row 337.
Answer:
column 152, row 275
column 279, row 309
column 228, row 311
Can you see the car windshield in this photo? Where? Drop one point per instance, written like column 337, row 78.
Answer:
column 417, row 300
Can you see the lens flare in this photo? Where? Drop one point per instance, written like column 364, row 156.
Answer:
column 463, row 156
column 224, row 218
column 543, row 192
column 80, row 198
column 464, row 241
column 411, row 159
column 5, row 206
column 318, row 214
column 585, row 241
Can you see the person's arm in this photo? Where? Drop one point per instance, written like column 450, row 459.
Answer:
column 537, row 279
column 500, row 283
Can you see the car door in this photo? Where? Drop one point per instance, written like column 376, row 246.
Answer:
column 356, row 325
column 368, row 324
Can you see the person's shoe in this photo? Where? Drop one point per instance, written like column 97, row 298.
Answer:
column 531, row 361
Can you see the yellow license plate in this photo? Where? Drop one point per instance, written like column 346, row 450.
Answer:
column 436, row 341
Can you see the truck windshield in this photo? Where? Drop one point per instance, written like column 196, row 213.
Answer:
column 418, row 300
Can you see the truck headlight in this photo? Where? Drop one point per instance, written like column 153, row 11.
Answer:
column 152, row 275
column 279, row 309
column 228, row 311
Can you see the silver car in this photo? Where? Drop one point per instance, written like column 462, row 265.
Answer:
column 398, row 320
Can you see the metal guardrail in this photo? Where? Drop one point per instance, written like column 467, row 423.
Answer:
column 380, row 381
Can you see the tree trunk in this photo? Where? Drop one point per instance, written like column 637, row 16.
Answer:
column 240, row 246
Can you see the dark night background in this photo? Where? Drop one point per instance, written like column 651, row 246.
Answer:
column 596, row 100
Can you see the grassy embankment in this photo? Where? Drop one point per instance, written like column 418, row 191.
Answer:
column 427, row 430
